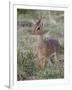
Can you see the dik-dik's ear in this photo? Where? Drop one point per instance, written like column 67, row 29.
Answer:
column 39, row 21
column 42, row 24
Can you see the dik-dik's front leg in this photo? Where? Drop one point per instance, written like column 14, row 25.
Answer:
column 42, row 63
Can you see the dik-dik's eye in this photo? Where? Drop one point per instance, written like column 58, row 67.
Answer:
column 38, row 28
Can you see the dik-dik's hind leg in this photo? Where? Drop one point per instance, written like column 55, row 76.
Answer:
column 54, row 59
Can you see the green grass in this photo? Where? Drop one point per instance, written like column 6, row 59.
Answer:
column 27, row 66
column 27, row 60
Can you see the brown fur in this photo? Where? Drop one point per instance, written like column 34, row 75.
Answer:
column 44, row 48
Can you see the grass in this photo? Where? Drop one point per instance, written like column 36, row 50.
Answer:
column 28, row 67
column 27, row 60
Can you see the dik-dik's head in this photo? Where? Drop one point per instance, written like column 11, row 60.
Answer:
column 38, row 28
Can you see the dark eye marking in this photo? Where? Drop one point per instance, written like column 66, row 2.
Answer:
column 38, row 28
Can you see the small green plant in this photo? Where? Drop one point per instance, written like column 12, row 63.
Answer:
column 26, row 64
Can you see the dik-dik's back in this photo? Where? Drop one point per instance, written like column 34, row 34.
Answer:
column 46, row 47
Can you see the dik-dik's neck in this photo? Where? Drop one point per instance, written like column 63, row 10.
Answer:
column 40, row 39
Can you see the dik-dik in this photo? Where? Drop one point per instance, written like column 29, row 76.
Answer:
column 46, row 47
